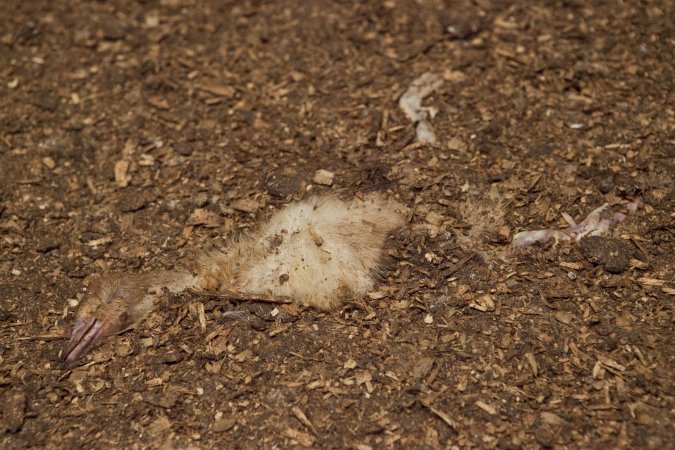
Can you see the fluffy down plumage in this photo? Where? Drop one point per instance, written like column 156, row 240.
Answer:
column 317, row 251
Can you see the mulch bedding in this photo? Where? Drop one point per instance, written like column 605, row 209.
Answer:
column 133, row 132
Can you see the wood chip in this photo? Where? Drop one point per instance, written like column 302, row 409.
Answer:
column 376, row 295
column 571, row 265
column 483, row 303
column 48, row 162
column 533, row 363
column 487, row 408
column 301, row 437
column 100, row 241
column 434, row 218
column 223, row 424
column 201, row 314
column 243, row 356
column 323, row 177
column 121, row 173
column 297, row 412
column 217, row 89
column 610, row 363
column 349, row 364
column 364, row 377
column 153, row 382
column 441, row 415
column 279, row 330
column 158, row 102
column 245, row 205
column 205, row 218
column 651, row 282
column 552, row 419
column 159, row 426
column 564, row 317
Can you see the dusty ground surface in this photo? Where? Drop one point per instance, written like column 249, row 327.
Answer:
column 133, row 132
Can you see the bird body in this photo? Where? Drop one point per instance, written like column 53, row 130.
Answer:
column 317, row 252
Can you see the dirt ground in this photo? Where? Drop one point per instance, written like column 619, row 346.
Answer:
column 132, row 132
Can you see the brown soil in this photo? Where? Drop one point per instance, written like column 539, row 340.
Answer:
column 134, row 131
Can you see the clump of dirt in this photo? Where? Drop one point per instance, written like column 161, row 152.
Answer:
column 612, row 254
